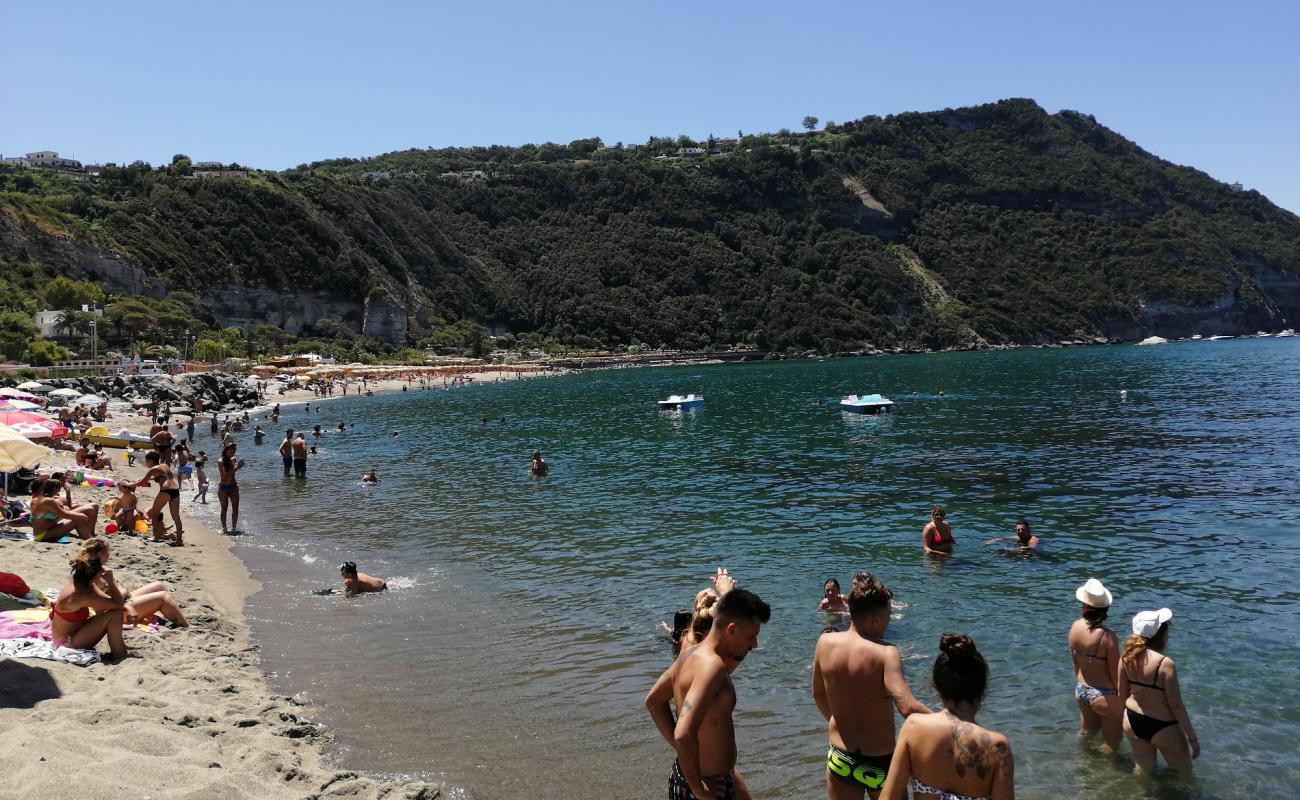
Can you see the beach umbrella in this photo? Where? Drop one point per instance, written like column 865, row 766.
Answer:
column 35, row 386
column 33, row 426
column 14, row 404
column 64, row 393
column 19, row 394
column 88, row 400
column 17, row 453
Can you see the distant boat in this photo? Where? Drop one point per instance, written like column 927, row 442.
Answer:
column 679, row 402
column 1287, row 332
column 1217, row 338
column 1195, row 337
column 867, row 404
column 1153, row 340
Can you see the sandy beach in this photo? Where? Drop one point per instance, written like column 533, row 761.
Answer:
column 189, row 713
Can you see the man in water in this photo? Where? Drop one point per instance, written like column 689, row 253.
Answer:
column 539, row 468
column 1024, row 539
column 704, row 735
column 355, row 583
column 258, row 434
column 370, row 477
column 286, row 451
column 300, row 456
column 856, row 676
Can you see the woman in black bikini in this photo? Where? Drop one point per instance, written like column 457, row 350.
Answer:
column 1154, row 717
column 169, row 494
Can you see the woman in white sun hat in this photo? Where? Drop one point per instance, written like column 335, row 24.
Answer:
column 1154, row 717
column 1094, row 649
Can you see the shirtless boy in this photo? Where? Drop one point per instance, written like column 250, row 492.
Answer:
column 703, row 734
column 355, row 583
column 300, row 456
column 857, row 675
column 286, row 451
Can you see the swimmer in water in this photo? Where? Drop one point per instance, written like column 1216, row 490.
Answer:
column 395, row 434
column 370, row 477
column 1024, row 539
column 937, row 535
column 832, row 600
column 539, row 467
column 342, row 427
column 355, row 583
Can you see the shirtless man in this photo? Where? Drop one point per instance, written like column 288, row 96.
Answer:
column 539, row 466
column 355, row 583
column 300, row 456
column 856, row 677
column 162, row 442
column 286, row 451
column 1024, row 539
column 703, row 735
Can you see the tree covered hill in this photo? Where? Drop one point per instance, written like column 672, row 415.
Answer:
column 993, row 224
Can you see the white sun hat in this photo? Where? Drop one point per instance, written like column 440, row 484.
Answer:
column 1147, row 623
column 1093, row 594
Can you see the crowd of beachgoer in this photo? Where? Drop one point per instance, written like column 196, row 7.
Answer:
column 858, row 683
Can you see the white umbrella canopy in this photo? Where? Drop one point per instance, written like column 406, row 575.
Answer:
column 88, row 400
column 19, row 394
column 35, row 386
column 16, row 452
column 64, row 393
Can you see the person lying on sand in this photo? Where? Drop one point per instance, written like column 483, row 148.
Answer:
column 355, row 583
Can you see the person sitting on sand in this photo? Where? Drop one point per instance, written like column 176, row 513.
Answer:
column 936, row 537
column 355, row 583
column 140, row 604
column 71, row 624
column 949, row 755
column 124, row 507
column 52, row 518
column 832, row 601
column 86, row 457
column 370, row 477
column 1024, row 539
column 539, row 466
column 169, row 495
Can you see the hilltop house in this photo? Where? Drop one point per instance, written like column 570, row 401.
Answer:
column 44, row 159
column 690, row 151
column 235, row 174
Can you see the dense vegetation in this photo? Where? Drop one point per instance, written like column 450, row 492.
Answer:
column 994, row 224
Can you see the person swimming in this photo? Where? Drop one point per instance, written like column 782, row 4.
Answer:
column 370, row 477
column 936, row 537
column 539, row 466
column 1024, row 538
column 355, row 583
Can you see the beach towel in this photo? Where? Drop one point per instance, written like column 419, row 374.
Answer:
column 34, row 623
column 39, row 648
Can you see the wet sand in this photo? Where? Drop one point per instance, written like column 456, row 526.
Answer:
column 188, row 714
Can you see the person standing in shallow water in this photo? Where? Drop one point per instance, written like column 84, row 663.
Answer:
column 1095, row 653
column 936, row 537
column 949, row 755
column 286, row 451
column 1154, row 716
column 300, row 456
column 857, row 683
column 539, row 466
column 704, row 735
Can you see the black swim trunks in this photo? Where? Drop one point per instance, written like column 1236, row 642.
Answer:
column 678, row 790
column 300, row 467
column 855, row 769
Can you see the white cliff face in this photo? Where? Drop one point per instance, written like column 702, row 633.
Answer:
column 243, row 306
column 384, row 320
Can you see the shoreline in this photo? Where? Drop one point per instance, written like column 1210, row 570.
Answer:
column 190, row 710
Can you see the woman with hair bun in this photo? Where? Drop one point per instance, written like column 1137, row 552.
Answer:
column 71, row 624
column 949, row 756
column 1094, row 649
column 1154, row 716
column 143, row 603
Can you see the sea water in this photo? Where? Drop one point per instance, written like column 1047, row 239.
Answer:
column 519, row 636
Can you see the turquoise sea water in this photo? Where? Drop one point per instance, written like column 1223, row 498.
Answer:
column 513, row 654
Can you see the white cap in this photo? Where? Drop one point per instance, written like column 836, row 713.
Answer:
column 1147, row 623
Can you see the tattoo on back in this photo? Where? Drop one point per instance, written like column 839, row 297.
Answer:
column 976, row 749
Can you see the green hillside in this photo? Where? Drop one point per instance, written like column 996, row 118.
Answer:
column 986, row 225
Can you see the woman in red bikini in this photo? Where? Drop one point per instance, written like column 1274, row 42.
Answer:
column 937, row 535
column 143, row 603
column 70, row 621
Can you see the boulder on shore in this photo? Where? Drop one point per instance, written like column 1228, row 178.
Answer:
column 1154, row 340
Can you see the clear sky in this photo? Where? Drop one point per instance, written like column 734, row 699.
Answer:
column 275, row 83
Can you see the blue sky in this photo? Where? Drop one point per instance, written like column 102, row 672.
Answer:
column 277, row 83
